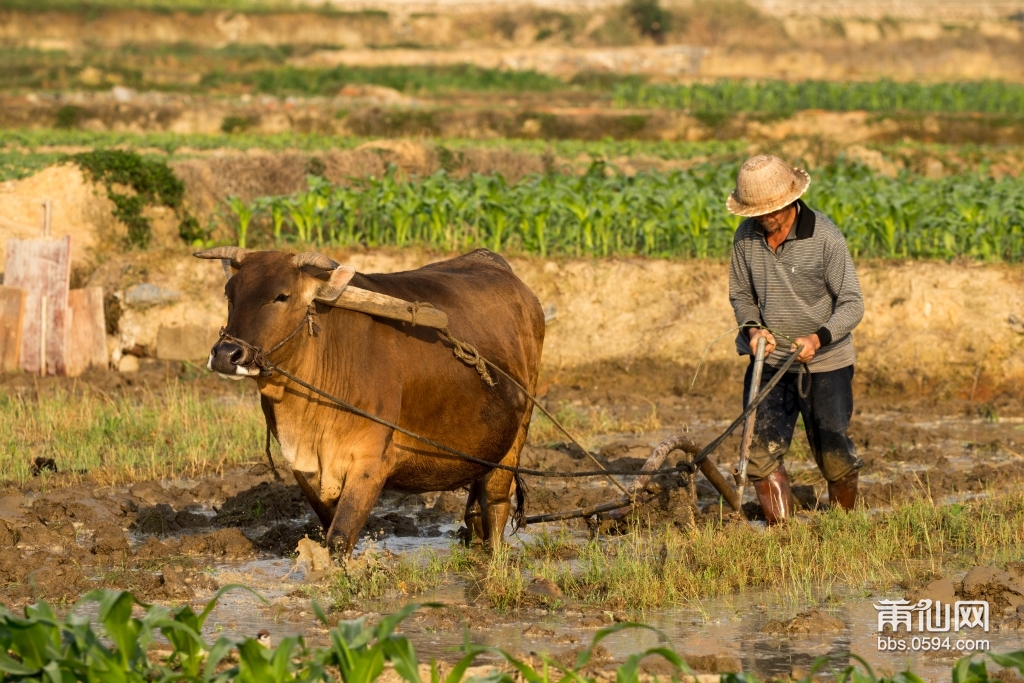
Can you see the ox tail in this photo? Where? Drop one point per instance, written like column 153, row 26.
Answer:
column 520, row 513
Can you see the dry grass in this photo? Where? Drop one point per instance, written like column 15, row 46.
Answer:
column 114, row 440
column 654, row 568
column 667, row 566
column 586, row 422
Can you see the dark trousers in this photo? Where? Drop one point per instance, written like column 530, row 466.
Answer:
column 826, row 410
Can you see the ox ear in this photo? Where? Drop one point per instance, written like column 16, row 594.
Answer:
column 230, row 257
column 335, row 283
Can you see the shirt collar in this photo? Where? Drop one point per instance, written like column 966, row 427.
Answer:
column 805, row 221
column 804, row 227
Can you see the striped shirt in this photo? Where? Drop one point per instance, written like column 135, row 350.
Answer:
column 808, row 285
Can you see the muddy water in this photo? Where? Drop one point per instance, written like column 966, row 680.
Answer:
column 727, row 632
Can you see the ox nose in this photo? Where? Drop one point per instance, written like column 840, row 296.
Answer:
column 226, row 357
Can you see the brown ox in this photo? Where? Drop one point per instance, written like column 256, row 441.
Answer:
column 404, row 374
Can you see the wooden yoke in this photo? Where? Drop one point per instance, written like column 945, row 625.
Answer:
column 385, row 306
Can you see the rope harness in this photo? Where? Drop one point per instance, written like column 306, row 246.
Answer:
column 254, row 356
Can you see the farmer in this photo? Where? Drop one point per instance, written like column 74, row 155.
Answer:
column 792, row 276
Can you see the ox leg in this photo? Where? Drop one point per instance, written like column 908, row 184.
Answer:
column 474, row 514
column 497, row 489
column 322, row 511
column 499, row 486
column 362, row 486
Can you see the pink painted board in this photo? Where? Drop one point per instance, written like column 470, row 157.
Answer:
column 42, row 268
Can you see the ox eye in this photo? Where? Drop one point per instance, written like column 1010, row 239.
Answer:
column 282, row 298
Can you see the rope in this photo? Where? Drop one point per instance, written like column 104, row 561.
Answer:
column 689, row 467
column 468, row 354
column 270, row 458
column 414, row 308
column 267, row 367
column 804, row 393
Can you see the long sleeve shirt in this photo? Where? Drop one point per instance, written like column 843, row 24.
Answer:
column 808, row 285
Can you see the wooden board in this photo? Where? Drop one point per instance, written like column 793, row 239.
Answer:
column 88, row 336
column 12, row 310
column 386, row 306
column 43, row 269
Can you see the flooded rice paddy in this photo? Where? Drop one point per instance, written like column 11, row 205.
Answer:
column 177, row 541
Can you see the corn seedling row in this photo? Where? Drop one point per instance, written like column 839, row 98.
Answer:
column 780, row 98
column 679, row 214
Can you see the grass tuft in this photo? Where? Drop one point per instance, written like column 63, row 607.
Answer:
column 116, row 440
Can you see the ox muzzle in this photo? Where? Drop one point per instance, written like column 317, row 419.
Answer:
column 232, row 360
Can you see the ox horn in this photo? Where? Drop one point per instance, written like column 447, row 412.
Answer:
column 333, row 282
column 230, row 257
column 315, row 259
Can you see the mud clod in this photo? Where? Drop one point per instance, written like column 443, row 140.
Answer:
column 940, row 590
column 265, row 503
column 174, row 584
column 998, row 587
column 109, row 540
column 714, row 664
column 811, row 621
column 546, row 588
column 222, row 543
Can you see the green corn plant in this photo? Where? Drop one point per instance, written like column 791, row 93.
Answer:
column 667, row 215
column 42, row 647
column 244, row 213
column 181, row 625
column 276, row 207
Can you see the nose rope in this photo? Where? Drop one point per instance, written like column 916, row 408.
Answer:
column 256, row 356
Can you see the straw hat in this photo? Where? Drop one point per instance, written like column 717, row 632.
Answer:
column 765, row 184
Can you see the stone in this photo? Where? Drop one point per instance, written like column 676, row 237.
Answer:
column 128, row 364
column 146, row 294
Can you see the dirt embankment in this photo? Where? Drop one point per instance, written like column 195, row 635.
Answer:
column 372, row 111
column 82, row 209
column 705, row 40
column 929, row 328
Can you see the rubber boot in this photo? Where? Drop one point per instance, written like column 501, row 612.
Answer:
column 843, row 492
column 775, row 496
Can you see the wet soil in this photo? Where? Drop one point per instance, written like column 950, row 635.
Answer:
column 62, row 534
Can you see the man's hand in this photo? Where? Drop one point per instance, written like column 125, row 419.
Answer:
column 769, row 340
column 811, row 343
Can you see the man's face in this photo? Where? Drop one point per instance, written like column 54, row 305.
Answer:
column 772, row 222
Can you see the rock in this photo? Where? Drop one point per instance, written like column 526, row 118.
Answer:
column 128, row 364
column 146, row 294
